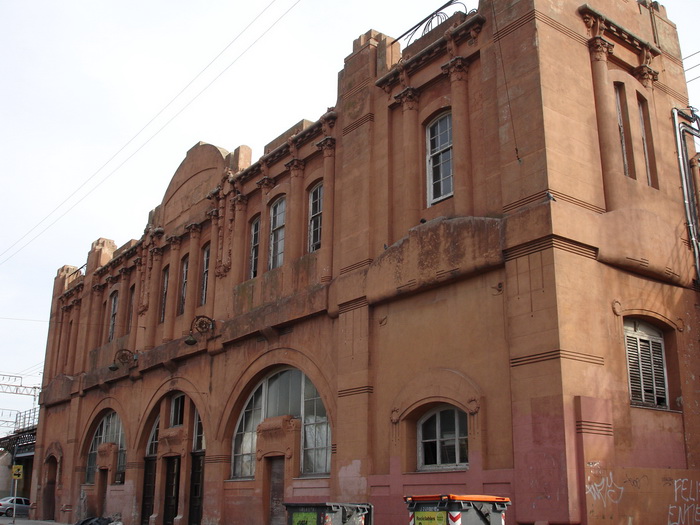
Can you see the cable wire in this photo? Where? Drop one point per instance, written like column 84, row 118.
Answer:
column 151, row 137
column 132, row 139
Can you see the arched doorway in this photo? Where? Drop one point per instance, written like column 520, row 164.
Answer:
column 168, row 473
column 49, row 491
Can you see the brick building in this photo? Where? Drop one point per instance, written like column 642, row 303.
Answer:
column 476, row 273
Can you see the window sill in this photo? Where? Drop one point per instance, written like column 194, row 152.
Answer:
column 325, row 475
column 655, row 408
column 437, row 201
column 440, row 469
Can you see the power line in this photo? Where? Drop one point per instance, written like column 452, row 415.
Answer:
column 82, row 185
column 691, row 55
column 20, row 319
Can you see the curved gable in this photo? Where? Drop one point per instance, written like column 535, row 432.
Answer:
column 194, row 179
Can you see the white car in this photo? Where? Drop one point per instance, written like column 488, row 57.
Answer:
column 10, row 505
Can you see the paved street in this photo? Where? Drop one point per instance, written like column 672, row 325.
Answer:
column 24, row 521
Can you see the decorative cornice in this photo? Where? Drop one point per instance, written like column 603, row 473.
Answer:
column 468, row 30
column 598, row 26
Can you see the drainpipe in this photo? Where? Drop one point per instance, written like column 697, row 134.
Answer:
column 691, row 212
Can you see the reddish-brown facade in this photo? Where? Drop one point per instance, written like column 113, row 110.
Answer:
column 475, row 274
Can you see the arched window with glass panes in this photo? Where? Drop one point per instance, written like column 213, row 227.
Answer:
column 109, row 430
column 285, row 392
column 442, row 439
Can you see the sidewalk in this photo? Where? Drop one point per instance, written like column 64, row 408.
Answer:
column 25, row 521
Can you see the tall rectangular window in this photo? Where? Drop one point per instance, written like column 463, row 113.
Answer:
column 647, row 143
column 130, row 310
column 184, row 269
column 177, row 410
column 646, row 364
column 113, row 303
column 439, row 165
column 164, row 291
column 254, row 247
column 277, row 213
column 315, row 211
column 623, row 126
column 205, row 275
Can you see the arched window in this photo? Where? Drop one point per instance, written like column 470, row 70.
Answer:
column 442, row 439
column 439, row 153
column 109, row 430
column 646, row 364
column 277, row 218
column 152, row 446
column 287, row 392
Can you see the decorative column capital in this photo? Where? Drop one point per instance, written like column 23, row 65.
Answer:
column 296, row 166
column 456, row 69
column 645, row 75
column 408, row 98
column 600, row 49
column 240, row 201
column 328, row 120
column 174, row 241
column 195, row 229
column 126, row 270
column 327, row 145
column 266, row 184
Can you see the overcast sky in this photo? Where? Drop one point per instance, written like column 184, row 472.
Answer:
column 80, row 79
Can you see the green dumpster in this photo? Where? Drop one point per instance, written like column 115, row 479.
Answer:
column 450, row 509
column 329, row 513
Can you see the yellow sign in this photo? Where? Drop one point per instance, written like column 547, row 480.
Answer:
column 431, row 518
column 16, row 471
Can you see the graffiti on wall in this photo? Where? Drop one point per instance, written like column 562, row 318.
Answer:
column 685, row 509
column 622, row 493
column 605, row 491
